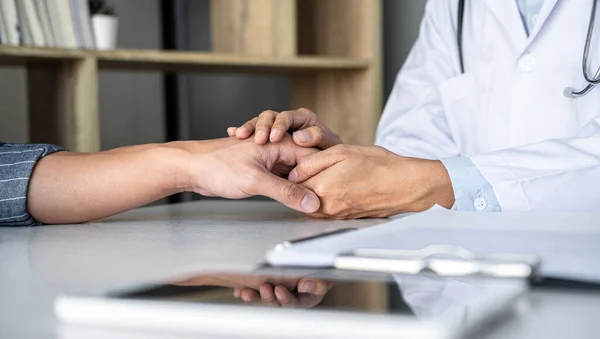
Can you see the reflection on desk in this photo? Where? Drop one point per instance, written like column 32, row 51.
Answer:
column 430, row 307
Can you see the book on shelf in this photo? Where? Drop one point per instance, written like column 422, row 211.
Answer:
column 25, row 33
column 52, row 23
column 2, row 31
column 10, row 21
column 27, row 11
column 55, row 23
column 65, row 19
column 44, row 17
column 82, row 23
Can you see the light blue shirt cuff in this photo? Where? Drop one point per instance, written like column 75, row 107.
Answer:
column 471, row 191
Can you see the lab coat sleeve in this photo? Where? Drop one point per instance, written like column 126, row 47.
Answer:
column 472, row 192
column 413, row 123
column 562, row 174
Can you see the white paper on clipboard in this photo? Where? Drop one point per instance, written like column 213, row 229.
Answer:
column 568, row 244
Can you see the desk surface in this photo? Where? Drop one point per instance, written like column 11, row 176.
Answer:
column 36, row 264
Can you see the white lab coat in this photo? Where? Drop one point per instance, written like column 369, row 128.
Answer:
column 537, row 148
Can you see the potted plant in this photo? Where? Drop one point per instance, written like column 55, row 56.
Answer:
column 104, row 23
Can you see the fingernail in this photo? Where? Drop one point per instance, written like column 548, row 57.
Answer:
column 236, row 293
column 306, row 287
column 310, row 203
column 281, row 297
column 260, row 133
column 293, row 176
column 302, row 136
column 274, row 133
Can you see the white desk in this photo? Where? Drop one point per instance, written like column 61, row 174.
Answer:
column 36, row 264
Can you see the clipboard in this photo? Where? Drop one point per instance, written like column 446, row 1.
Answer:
column 441, row 260
column 552, row 249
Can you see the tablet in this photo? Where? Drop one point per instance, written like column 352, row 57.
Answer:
column 340, row 304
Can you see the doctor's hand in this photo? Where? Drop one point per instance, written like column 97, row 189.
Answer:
column 370, row 182
column 306, row 129
column 310, row 293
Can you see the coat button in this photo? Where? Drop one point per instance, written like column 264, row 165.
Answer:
column 527, row 63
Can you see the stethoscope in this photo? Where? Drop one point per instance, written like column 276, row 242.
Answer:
column 569, row 91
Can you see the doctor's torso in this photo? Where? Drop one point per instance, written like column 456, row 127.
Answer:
column 512, row 91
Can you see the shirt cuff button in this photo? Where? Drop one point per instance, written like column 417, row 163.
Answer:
column 480, row 204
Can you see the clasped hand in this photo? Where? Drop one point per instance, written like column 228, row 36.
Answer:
column 352, row 181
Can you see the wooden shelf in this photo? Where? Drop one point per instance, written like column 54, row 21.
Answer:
column 19, row 55
column 155, row 60
column 333, row 61
column 199, row 61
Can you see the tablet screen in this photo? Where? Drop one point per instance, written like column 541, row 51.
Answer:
column 424, row 296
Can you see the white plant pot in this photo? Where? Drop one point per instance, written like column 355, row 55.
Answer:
column 105, row 31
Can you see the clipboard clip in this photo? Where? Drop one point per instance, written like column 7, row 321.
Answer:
column 443, row 260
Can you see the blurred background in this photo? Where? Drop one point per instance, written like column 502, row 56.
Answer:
column 133, row 106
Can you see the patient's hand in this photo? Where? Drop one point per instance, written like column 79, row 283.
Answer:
column 235, row 169
column 272, row 126
column 310, row 292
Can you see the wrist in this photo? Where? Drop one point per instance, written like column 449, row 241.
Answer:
column 174, row 162
column 439, row 185
column 433, row 186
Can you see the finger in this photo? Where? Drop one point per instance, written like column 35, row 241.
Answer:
column 313, row 286
column 316, row 136
column 267, row 295
column 312, row 291
column 263, row 126
column 315, row 163
column 306, row 300
column 237, row 293
column 282, row 124
column 285, row 298
column 247, row 129
column 249, row 295
column 287, row 120
column 293, row 195
column 231, row 131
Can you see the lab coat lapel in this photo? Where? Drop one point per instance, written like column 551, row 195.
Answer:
column 545, row 12
column 507, row 12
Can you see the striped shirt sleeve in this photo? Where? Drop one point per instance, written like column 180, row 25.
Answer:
column 16, row 166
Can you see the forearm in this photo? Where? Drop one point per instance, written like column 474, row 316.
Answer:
column 74, row 187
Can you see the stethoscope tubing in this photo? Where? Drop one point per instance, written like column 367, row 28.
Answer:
column 569, row 91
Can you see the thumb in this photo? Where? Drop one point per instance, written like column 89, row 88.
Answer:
column 293, row 195
column 316, row 136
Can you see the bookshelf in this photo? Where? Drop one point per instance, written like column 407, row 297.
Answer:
column 331, row 50
column 155, row 60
